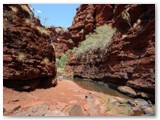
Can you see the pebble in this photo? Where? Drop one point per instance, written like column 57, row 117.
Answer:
column 149, row 111
column 75, row 110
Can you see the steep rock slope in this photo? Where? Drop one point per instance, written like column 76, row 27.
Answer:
column 27, row 53
column 130, row 58
column 87, row 18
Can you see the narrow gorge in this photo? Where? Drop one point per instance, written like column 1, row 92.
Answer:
column 102, row 65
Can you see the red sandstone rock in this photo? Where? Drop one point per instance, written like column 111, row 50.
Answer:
column 27, row 52
column 83, row 23
column 130, row 58
column 127, row 90
column 87, row 18
column 60, row 40
column 103, row 14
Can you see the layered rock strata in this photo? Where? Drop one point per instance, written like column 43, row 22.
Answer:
column 130, row 58
column 27, row 53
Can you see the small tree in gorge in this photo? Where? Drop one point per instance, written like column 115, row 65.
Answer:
column 45, row 20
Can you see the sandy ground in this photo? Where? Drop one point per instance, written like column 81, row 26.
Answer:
column 69, row 99
column 66, row 93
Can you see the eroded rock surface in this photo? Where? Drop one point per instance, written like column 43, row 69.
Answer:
column 130, row 57
column 60, row 40
column 27, row 53
column 88, row 17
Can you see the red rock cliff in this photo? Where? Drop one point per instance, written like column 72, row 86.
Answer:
column 60, row 40
column 130, row 59
column 87, row 18
column 27, row 53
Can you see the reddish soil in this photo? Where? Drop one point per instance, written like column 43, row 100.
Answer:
column 66, row 93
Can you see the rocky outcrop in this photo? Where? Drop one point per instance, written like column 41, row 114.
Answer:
column 130, row 58
column 87, row 18
column 27, row 53
column 60, row 40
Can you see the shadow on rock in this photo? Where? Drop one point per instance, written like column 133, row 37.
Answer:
column 30, row 85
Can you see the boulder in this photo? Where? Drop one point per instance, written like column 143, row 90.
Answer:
column 74, row 110
column 127, row 90
column 141, row 102
column 149, row 111
column 38, row 110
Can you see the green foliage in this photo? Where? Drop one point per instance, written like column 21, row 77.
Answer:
column 43, row 30
column 99, row 40
column 61, row 63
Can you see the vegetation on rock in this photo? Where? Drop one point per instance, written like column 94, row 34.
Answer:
column 127, row 18
column 61, row 62
column 98, row 40
column 43, row 30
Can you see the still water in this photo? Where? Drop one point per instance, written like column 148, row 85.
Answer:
column 97, row 86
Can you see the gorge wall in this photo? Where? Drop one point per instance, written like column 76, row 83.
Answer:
column 60, row 40
column 27, row 52
column 87, row 18
column 29, row 49
column 130, row 57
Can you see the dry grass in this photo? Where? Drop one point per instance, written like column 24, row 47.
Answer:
column 99, row 40
column 46, row 60
column 21, row 56
column 43, row 30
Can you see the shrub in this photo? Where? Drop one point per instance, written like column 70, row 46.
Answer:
column 21, row 56
column 46, row 60
column 99, row 40
column 126, row 16
column 43, row 30
column 61, row 63
column 58, row 29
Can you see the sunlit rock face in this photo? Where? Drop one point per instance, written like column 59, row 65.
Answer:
column 27, row 52
column 130, row 57
column 87, row 18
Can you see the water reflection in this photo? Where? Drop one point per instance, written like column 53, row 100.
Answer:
column 98, row 87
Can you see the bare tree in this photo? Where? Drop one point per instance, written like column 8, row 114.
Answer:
column 45, row 19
